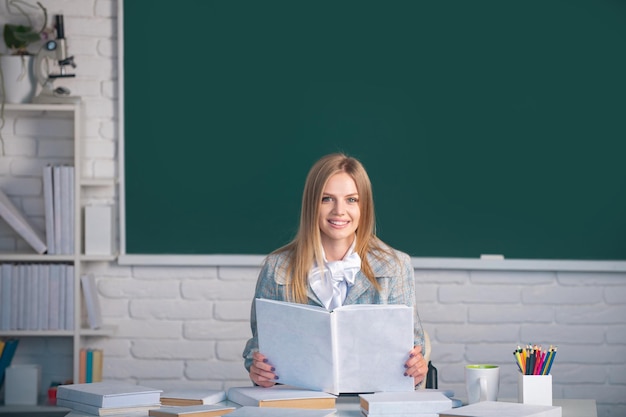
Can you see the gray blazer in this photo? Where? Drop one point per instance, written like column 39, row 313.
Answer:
column 397, row 283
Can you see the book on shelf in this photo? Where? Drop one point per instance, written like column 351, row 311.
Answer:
column 14, row 217
column 98, row 363
column 48, row 200
column 44, row 296
column 408, row 403
column 198, row 410
column 56, row 291
column 82, row 366
column 249, row 411
column 89, row 366
column 105, row 411
column 290, row 332
column 110, row 394
column 192, row 396
column 6, row 282
column 71, row 212
column 281, row 396
column 10, row 345
column 56, row 203
column 91, row 300
column 69, row 297
column 502, row 408
column 67, row 218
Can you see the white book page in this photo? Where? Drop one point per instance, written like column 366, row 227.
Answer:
column 373, row 344
column 297, row 340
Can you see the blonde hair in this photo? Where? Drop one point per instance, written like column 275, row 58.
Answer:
column 306, row 247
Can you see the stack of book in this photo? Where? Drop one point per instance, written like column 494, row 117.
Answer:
column 108, row 398
column 281, row 396
column 420, row 403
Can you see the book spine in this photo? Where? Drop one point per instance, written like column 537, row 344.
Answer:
column 49, row 208
column 89, row 367
column 82, row 365
column 98, row 359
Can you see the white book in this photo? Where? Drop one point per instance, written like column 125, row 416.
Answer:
column 106, row 411
column 70, row 211
column 248, row 411
column 56, row 192
column 44, row 296
column 15, row 295
column 69, row 297
column 313, row 348
column 14, row 217
column 110, row 394
column 281, row 396
column 5, row 297
column 32, row 293
column 192, row 396
column 48, row 199
column 92, row 302
column 22, row 287
column 62, row 294
column 65, row 209
column 54, row 304
column 404, row 403
column 501, row 408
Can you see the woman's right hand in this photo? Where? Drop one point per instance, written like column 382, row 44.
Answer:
column 261, row 372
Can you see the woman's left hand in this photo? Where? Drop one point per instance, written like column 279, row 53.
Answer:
column 416, row 365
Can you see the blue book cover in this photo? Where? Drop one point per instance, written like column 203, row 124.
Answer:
column 10, row 346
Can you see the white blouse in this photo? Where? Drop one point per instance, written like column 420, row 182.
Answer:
column 331, row 283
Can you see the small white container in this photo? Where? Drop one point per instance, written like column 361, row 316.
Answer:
column 534, row 389
column 22, row 384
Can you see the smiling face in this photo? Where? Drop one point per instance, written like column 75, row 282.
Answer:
column 339, row 215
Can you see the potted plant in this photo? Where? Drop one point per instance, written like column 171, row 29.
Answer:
column 16, row 67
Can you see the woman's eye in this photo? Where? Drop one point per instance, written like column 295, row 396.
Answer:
column 326, row 199
column 353, row 200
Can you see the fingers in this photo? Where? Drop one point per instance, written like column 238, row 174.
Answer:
column 416, row 365
column 261, row 371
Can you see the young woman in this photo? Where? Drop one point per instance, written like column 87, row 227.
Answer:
column 336, row 259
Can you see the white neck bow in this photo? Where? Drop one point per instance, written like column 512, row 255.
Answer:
column 331, row 287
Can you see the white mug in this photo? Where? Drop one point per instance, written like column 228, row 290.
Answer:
column 482, row 382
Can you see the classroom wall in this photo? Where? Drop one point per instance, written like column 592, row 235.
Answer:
column 188, row 325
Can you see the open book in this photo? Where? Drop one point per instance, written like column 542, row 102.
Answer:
column 352, row 349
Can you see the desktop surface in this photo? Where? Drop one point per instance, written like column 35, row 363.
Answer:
column 347, row 406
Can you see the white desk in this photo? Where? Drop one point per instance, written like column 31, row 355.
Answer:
column 348, row 406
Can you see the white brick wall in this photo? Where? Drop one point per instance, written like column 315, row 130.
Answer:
column 188, row 325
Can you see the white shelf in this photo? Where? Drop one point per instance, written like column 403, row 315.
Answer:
column 78, row 259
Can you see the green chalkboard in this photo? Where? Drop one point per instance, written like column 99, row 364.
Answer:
column 486, row 126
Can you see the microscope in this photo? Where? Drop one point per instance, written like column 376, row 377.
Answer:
column 56, row 50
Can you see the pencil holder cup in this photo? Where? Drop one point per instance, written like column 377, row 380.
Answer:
column 534, row 389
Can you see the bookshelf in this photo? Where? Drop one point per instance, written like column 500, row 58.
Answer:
column 78, row 258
